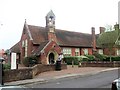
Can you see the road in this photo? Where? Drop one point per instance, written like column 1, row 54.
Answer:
column 99, row 80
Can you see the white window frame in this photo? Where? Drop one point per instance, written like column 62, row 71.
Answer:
column 23, row 43
column 118, row 52
column 77, row 51
column 26, row 47
column 100, row 51
column 67, row 51
column 85, row 51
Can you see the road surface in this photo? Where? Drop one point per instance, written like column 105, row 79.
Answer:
column 99, row 80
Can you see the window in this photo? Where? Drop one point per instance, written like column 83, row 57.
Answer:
column 118, row 51
column 23, row 43
column 85, row 51
column 77, row 52
column 26, row 46
column 100, row 51
column 67, row 51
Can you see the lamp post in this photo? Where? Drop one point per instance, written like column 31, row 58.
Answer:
column 1, row 71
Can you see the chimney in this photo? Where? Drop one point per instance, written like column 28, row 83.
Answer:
column 93, row 39
column 116, row 26
column 102, row 29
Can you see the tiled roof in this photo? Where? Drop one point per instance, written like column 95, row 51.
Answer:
column 69, row 38
column 15, row 48
column 64, row 37
column 38, row 50
column 39, row 34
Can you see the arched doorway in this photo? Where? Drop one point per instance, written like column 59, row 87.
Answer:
column 51, row 58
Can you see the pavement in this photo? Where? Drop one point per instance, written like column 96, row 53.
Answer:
column 66, row 73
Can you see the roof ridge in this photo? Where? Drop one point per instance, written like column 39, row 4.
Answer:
column 61, row 30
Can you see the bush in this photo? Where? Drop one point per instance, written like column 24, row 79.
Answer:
column 6, row 66
column 30, row 61
column 113, row 58
column 100, row 56
column 69, row 60
column 91, row 57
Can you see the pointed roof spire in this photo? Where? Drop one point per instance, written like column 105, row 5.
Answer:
column 50, row 13
column 25, row 21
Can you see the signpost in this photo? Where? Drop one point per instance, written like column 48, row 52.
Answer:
column 13, row 60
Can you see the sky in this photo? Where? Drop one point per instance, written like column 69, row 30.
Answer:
column 72, row 15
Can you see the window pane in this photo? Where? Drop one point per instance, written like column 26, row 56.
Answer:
column 100, row 51
column 86, row 51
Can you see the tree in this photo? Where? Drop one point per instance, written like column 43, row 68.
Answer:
column 108, row 39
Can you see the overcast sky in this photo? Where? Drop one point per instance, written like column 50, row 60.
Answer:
column 72, row 15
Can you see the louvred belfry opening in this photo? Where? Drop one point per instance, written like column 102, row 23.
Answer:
column 50, row 26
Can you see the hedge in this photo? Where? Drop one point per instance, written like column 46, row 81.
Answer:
column 75, row 59
column 100, row 57
column 113, row 58
column 69, row 60
column 91, row 57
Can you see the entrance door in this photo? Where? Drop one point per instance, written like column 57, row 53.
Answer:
column 51, row 58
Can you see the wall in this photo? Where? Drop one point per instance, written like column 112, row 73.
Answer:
column 44, row 68
column 107, row 52
column 101, row 64
column 17, row 74
column 28, row 72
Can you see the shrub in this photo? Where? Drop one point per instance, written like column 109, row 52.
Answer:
column 69, row 60
column 30, row 61
column 100, row 56
column 91, row 57
column 6, row 66
column 113, row 58
column 26, row 61
column 75, row 59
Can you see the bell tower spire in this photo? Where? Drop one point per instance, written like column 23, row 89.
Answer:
column 50, row 25
column 50, row 21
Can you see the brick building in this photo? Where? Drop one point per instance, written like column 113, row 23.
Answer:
column 47, row 42
column 110, row 41
column 2, row 53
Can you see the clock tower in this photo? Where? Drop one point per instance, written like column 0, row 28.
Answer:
column 50, row 25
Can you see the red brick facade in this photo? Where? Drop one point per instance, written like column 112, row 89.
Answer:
column 47, row 42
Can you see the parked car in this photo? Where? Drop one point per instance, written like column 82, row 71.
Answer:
column 116, row 84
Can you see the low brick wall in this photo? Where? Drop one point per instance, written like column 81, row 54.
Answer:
column 101, row 64
column 44, row 68
column 28, row 72
column 17, row 74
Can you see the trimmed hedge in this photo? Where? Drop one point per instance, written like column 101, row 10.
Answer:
column 69, row 60
column 113, row 58
column 91, row 57
column 100, row 57
column 75, row 59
